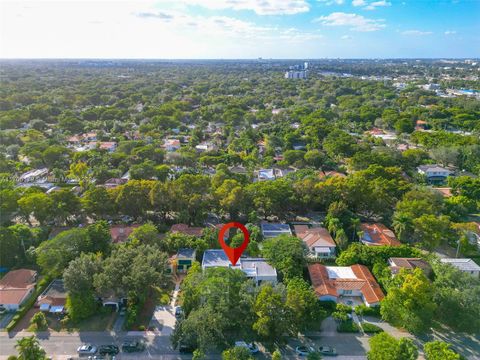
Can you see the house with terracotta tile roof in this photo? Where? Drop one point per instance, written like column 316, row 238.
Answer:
column 318, row 240
column 16, row 287
column 351, row 285
column 171, row 145
column 120, row 233
column 377, row 235
column 186, row 229
column 396, row 264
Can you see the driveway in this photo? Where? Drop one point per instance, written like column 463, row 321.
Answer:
column 163, row 318
column 396, row 333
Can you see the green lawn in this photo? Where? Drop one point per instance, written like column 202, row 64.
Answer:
column 102, row 321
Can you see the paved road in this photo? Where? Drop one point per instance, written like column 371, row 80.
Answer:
column 63, row 345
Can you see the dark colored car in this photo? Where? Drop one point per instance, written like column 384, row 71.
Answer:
column 186, row 349
column 108, row 350
column 130, row 346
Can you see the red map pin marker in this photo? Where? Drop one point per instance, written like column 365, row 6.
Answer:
column 233, row 253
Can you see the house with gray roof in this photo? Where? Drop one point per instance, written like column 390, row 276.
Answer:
column 465, row 265
column 434, row 173
column 256, row 269
column 270, row 230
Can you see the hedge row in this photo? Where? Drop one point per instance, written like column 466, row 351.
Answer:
column 41, row 286
column 371, row 328
column 348, row 327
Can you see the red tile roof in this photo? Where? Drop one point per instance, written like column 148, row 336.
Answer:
column 13, row 296
column 371, row 291
column 320, row 280
column 445, row 191
column 363, row 281
column 21, row 278
column 313, row 237
column 379, row 235
column 16, row 285
column 186, row 229
column 120, row 233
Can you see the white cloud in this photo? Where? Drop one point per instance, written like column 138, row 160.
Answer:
column 375, row 4
column 354, row 21
column 346, row 37
column 416, row 32
column 358, row 2
column 262, row 7
column 139, row 30
column 332, row 2
column 450, row 32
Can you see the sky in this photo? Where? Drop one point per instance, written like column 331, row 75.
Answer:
column 240, row 29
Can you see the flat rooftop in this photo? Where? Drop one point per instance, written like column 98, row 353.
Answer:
column 340, row 272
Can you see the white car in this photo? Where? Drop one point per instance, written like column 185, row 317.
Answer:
column 250, row 347
column 304, row 350
column 87, row 349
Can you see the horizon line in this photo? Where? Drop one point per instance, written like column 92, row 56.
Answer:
column 243, row 59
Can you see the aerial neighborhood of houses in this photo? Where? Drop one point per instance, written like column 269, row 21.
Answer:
column 358, row 183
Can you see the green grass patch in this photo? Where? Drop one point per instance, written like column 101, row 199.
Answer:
column 371, row 328
column 101, row 321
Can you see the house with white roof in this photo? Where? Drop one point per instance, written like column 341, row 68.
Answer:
column 256, row 269
column 265, row 174
column 34, row 175
column 351, row 285
column 465, row 265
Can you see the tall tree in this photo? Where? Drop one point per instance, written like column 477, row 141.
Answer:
column 273, row 318
column 409, row 301
column 439, row 350
column 385, row 347
column 286, row 254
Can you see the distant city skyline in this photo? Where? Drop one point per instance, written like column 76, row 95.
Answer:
column 240, row 29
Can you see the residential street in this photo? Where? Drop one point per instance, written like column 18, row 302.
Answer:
column 60, row 346
column 349, row 346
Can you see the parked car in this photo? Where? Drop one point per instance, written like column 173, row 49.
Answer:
column 108, row 350
column 87, row 349
column 251, row 347
column 102, row 357
column 186, row 349
column 178, row 312
column 304, row 350
column 327, row 350
column 130, row 346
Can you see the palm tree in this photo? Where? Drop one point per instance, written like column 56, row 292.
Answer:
column 355, row 222
column 333, row 225
column 29, row 349
column 402, row 226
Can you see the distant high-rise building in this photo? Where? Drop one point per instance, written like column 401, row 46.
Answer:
column 296, row 74
column 305, row 65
